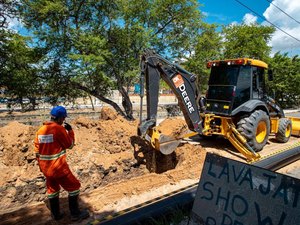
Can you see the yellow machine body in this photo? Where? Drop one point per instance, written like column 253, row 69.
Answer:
column 295, row 126
column 295, row 131
column 224, row 126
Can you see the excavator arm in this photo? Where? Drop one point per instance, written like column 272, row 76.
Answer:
column 153, row 68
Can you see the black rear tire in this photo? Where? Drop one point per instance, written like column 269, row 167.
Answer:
column 284, row 130
column 256, row 129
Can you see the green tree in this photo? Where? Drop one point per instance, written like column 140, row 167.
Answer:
column 17, row 68
column 56, row 87
column 247, row 41
column 207, row 47
column 97, row 44
column 286, row 79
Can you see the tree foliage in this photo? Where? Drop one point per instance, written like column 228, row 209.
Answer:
column 247, row 41
column 81, row 47
column 286, row 79
column 97, row 43
column 18, row 70
column 207, row 47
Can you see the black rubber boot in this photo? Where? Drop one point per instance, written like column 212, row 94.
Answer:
column 54, row 207
column 76, row 214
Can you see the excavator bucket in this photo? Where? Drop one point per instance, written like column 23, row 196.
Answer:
column 164, row 143
column 295, row 126
column 160, row 142
column 167, row 144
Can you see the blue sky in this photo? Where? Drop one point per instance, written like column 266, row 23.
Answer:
column 228, row 11
column 232, row 12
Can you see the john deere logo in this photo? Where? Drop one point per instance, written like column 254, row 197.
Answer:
column 177, row 80
column 179, row 83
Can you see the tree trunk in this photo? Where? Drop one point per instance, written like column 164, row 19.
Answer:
column 90, row 97
column 126, row 103
column 33, row 102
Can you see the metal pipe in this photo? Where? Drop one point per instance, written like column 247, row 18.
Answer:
column 280, row 160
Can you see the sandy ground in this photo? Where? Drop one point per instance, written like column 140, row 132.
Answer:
column 117, row 169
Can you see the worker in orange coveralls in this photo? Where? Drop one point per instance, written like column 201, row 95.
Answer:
column 50, row 145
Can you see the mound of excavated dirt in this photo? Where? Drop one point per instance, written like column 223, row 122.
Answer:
column 174, row 127
column 107, row 151
column 16, row 144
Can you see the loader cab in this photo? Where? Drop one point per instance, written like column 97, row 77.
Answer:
column 234, row 82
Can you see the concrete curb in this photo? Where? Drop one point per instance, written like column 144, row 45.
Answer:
column 291, row 110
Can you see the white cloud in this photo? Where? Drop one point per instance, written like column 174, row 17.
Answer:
column 233, row 23
column 249, row 19
column 281, row 41
column 205, row 14
column 14, row 24
column 216, row 16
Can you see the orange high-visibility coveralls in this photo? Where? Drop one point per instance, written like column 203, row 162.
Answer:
column 50, row 144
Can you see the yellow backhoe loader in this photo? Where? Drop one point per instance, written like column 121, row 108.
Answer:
column 236, row 104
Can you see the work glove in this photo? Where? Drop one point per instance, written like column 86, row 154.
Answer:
column 67, row 126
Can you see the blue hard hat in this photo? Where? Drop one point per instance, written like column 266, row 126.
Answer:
column 59, row 112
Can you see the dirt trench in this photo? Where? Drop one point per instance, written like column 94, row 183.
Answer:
column 110, row 160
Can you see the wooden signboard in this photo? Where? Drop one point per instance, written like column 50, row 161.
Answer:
column 236, row 193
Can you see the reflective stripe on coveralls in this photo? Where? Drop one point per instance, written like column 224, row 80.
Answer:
column 52, row 157
column 53, row 195
column 73, row 193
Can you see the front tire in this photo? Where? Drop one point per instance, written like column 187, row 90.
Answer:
column 284, row 130
column 256, row 129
